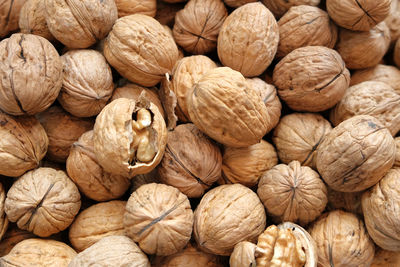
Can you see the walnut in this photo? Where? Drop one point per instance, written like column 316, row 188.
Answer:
column 280, row 7
column 39, row 252
column 397, row 157
column 80, row 24
column 3, row 217
column 248, row 39
column 359, row 15
column 356, row 154
column 347, row 201
column 243, row 255
column 298, row 136
column 191, row 163
column 238, row 3
column 380, row 207
column 9, row 17
column 385, row 258
column 145, row 67
column 62, row 138
column 352, row 46
column 305, row 26
column 393, row 21
column 87, row 82
column 12, row 237
column 373, row 98
column 23, row 144
column 222, row 105
column 311, row 78
column 342, row 240
column 117, row 251
column 246, row 165
column 43, row 201
column 223, row 218
column 129, row 137
column 129, row 7
column 31, row 72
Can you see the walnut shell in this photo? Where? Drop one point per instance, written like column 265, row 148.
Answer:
column 356, row 154
column 197, row 26
column 3, row 217
column 87, row 82
column 39, row 252
column 360, row 15
column 222, row 105
column 246, row 165
column 43, row 201
column 117, row 251
column 393, row 21
column 305, row 26
column 243, row 255
column 12, row 237
column 380, row 207
column 62, row 138
column 280, row 7
column 373, row 98
column 342, row 240
column 9, row 10
column 396, row 53
column 293, row 193
column 166, row 12
column 159, row 218
column 129, row 137
column 191, row 163
column 31, row 72
column 130, row 7
column 248, row 39
column 385, row 258
column 145, row 67
column 23, row 144
column 238, row 3
column 347, row 201
column 397, row 157
column 311, row 78
column 227, row 215
column 80, row 24
column 298, row 136
column 174, row 1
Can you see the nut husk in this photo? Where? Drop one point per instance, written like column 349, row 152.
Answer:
column 9, row 17
column 130, row 7
column 280, row 7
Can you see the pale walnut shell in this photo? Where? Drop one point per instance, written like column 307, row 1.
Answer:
column 347, row 201
column 12, row 237
column 222, row 105
column 356, row 154
column 293, row 193
column 23, row 143
column 342, row 240
column 360, row 15
column 396, row 53
column 84, row 169
column 380, row 206
column 238, row 3
column 248, row 39
column 113, row 136
column 145, row 67
column 80, row 24
column 9, row 16
column 3, row 216
column 311, row 78
column 243, row 255
column 191, row 163
column 280, row 7
column 43, row 201
column 87, row 82
column 39, row 252
column 159, row 218
column 31, row 72
column 32, row 19
column 362, row 50
column 397, row 157
column 393, row 21
column 247, row 164
column 97, row 221
column 130, row 7
column 62, row 138
column 373, row 98
column 227, row 215
column 298, row 136
column 197, row 26
column 385, row 258
column 116, row 251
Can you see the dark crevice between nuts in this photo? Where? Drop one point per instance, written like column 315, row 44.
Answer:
column 39, row 205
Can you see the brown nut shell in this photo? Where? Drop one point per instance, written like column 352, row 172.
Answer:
column 12, row 237
column 238, row 3
column 243, row 255
column 130, row 7
column 3, row 216
column 396, row 53
column 166, row 12
column 393, row 21
column 280, row 7
column 9, row 16
column 347, row 201
column 385, row 258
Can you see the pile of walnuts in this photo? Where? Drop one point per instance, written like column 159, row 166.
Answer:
column 199, row 133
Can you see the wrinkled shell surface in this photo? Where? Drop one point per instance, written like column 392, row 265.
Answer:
column 130, row 7
column 280, row 7
column 385, row 258
column 243, row 255
column 12, row 237
column 9, row 16
column 3, row 217
column 347, row 201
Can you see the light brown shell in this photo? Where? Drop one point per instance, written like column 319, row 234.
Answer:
column 87, row 82
column 393, row 21
column 39, row 252
column 293, row 193
column 23, row 143
column 222, row 105
column 280, row 7
column 12, row 237
column 385, row 258
column 373, row 98
column 31, row 72
column 360, row 15
column 243, row 255
column 347, row 201
column 197, row 26
column 80, row 24
column 3, row 216
column 305, row 26
column 130, row 7
column 248, row 39
column 191, row 163
column 116, row 251
column 227, row 215
column 397, row 157
column 9, row 16
column 380, row 206
column 311, row 78
column 62, row 138
column 356, row 154
column 238, row 3
column 145, row 67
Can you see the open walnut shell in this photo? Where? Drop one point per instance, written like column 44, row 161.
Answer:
column 130, row 7
column 9, row 10
column 280, row 7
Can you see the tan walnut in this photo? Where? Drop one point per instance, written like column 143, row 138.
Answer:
column 280, row 7
column 9, row 16
column 13, row 236
column 243, row 255
column 385, row 258
column 130, row 7
column 3, row 216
